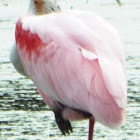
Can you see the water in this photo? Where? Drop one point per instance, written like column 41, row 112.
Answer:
column 23, row 114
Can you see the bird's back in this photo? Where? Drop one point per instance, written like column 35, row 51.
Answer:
column 76, row 59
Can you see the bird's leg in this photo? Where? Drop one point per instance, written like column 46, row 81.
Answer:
column 91, row 128
column 63, row 125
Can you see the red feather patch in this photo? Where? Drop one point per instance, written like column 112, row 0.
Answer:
column 28, row 41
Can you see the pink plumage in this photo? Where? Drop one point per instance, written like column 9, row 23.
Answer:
column 75, row 58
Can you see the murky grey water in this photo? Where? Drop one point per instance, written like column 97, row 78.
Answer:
column 23, row 114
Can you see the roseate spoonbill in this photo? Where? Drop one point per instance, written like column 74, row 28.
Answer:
column 76, row 60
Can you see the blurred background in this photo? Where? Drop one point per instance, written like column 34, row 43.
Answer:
column 23, row 114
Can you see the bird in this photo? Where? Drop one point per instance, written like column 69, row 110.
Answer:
column 76, row 61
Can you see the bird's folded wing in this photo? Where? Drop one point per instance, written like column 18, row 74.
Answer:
column 78, row 63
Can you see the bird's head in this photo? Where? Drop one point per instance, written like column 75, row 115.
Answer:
column 41, row 7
